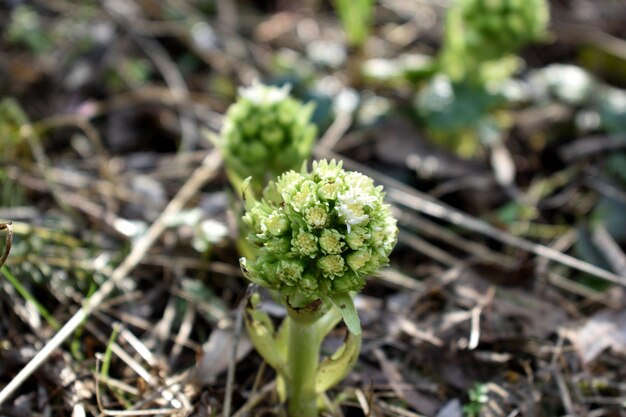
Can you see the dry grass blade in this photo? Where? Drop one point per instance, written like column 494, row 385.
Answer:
column 255, row 399
column 574, row 287
column 9, row 241
column 475, row 318
column 406, row 392
column 610, row 248
column 176, row 400
column 426, row 227
column 230, row 378
column 566, row 398
column 586, row 147
column 337, row 130
column 456, row 217
column 202, row 174
column 428, row 249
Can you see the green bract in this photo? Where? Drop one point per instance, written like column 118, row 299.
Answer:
column 266, row 132
column 319, row 233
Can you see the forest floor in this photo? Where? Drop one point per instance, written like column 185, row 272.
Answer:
column 121, row 291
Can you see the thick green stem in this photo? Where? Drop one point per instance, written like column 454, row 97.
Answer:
column 302, row 361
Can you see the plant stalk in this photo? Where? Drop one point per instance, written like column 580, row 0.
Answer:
column 302, row 362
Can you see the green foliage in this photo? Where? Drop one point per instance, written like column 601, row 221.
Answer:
column 356, row 17
column 29, row 297
column 496, row 27
column 458, row 114
column 319, row 233
column 12, row 145
column 478, row 397
column 266, row 133
column 616, row 167
column 129, row 71
column 25, row 29
column 480, row 40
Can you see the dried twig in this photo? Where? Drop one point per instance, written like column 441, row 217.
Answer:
column 230, row 376
column 475, row 318
column 427, row 248
column 167, row 394
column 9, row 242
column 585, row 147
column 424, row 226
column 610, row 248
column 336, row 131
column 255, row 399
column 566, row 398
column 407, row 392
column 184, row 331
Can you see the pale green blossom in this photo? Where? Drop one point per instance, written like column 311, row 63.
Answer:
column 331, row 265
column 304, row 243
column 319, row 233
column 331, row 241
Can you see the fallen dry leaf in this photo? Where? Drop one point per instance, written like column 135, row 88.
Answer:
column 216, row 354
column 606, row 329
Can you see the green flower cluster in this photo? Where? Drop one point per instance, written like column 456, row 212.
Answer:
column 266, row 132
column 319, row 233
column 494, row 28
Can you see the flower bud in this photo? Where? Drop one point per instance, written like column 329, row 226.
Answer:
column 266, row 133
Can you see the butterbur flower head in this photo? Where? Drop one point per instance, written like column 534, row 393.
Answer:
column 266, row 132
column 334, row 230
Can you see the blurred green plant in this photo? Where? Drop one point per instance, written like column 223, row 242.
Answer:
column 459, row 104
column 356, row 17
column 29, row 297
column 25, row 29
column 128, row 72
column 478, row 397
column 459, row 116
column 12, row 146
column 480, row 34
column 319, row 234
